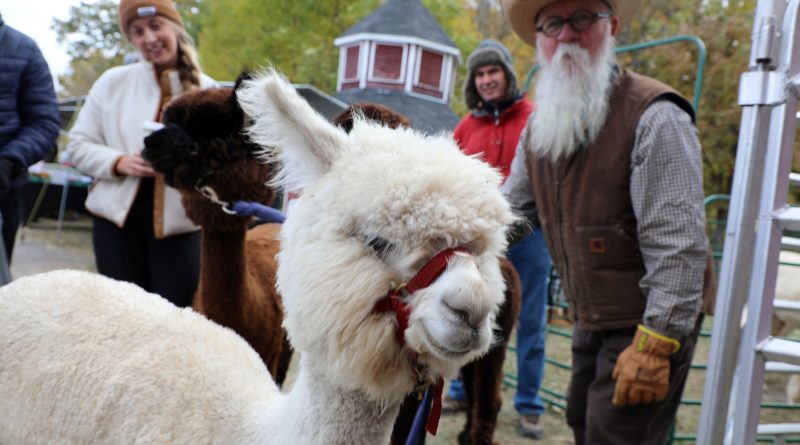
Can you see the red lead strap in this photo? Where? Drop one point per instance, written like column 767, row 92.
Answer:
column 432, row 269
column 436, row 407
column 393, row 302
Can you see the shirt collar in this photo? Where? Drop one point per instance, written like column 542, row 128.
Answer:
column 495, row 108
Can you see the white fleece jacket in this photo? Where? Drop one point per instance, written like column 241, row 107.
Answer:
column 109, row 125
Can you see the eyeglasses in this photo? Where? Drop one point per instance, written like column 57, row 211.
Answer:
column 580, row 21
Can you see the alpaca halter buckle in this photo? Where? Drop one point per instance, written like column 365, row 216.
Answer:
column 211, row 195
column 243, row 208
column 396, row 300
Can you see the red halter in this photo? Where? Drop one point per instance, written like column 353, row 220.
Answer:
column 394, row 302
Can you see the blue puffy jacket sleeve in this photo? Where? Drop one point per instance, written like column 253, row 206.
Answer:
column 30, row 112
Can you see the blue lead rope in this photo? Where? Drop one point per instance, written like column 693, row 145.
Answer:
column 417, row 431
column 260, row 211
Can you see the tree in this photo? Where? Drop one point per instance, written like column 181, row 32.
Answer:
column 91, row 28
column 725, row 29
column 190, row 11
column 296, row 37
column 84, row 71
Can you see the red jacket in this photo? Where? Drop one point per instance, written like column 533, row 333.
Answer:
column 495, row 138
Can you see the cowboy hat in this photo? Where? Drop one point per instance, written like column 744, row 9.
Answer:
column 521, row 14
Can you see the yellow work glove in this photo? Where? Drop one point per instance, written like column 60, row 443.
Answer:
column 642, row 370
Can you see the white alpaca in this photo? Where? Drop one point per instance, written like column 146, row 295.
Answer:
column 84, row 359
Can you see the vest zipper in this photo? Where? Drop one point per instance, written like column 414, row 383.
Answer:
column 559, row 181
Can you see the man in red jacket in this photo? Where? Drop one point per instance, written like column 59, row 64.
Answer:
column 498, row 113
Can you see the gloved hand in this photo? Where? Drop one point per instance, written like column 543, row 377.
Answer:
column 642, row 370
column 8, row 169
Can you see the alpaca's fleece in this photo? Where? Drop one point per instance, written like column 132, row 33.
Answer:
column 372, row 112
column 84, row 359
column 71, row 372
column 419, row 193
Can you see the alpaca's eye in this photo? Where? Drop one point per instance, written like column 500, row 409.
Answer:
column 381, row 246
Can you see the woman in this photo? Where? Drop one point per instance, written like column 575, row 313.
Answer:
column 140, row 232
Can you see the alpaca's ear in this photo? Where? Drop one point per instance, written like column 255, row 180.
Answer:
column 304, row 143
column 246, row 74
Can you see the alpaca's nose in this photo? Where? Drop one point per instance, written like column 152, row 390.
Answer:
column 464, row 292
column 462, row 315
column 470, row 311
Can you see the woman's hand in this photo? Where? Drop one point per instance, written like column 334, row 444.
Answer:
column 133, row 165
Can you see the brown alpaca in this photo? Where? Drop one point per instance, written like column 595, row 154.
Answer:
column 201, row 146
column 371, row 111
column 482, row 378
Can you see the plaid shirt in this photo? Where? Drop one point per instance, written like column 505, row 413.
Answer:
column 666, row 191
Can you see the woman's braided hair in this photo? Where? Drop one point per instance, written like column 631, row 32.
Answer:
column 188, row 65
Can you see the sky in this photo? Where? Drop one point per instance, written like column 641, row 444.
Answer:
column 34, row 18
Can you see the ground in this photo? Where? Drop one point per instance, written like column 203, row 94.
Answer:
column 41, row 247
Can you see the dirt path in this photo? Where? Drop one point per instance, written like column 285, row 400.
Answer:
column 41, row 248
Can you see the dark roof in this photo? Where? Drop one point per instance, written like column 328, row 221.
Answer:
column 403, row 18
column 429, row 117
column 325, row 104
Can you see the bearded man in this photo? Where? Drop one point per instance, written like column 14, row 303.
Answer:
column 610, row 161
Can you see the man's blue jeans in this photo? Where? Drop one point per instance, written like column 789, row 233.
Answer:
column 532, row 261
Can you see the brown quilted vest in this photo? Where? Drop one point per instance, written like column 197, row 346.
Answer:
column 586, row 214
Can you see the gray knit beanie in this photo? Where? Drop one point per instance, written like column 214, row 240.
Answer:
column 489, row 52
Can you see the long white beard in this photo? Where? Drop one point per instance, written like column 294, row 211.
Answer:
column 571, row 99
